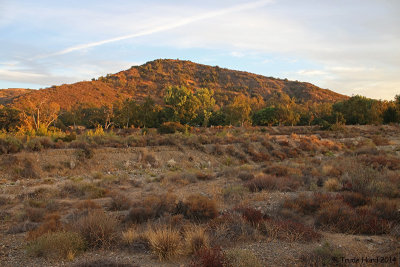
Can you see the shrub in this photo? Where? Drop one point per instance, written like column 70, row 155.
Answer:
column 51, row 224
column 233, row 193
column 119, row 201
column 171, row 127
column 245, row 176
column 264, row 181
column 242, row 258
column 198, row 207
column 151, row 207
column 290, row 231
column 30, row 168
column 97, row 228
column 196, row 238
column 354, row 199
column 10, row 145
column 34, row 145
column 83, row 189
column 387, row 209
column 231, row 227
column 164, row 242
column 202, row 176
column 326, row 255
column 210, row 257
column 57, row 245
column 277, row 170
column 87, row 204
column 252, row 215
column 35, row 214
column 382, row 161
column 332, row 185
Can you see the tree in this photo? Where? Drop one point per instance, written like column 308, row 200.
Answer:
column 238, row 112
column 206, row 105
column 182, row 102
column 266, row 116
column 39, row 116
column 9, row 118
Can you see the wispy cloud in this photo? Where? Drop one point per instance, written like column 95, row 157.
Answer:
column 165, row 27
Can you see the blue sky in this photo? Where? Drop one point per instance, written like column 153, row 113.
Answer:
column 349, row 46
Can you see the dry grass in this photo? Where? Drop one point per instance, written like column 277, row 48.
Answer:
column 97, row 228
column 165, row 242
column 196, row 238
column 198, row 208
column 64, row 245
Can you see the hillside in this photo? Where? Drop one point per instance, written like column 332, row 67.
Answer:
column 7, row 95
column 152, row 78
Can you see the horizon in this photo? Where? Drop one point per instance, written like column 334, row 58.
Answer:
column 321, row 43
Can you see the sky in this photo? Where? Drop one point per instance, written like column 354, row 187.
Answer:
column 349, row 46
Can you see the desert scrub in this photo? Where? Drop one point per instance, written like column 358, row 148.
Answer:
column 198, row 208
column 196, row 238
column 164, row 242
column 332, row 185
column 242, row 258
column 326, row 255
column 82, row 189
column 63, row 245
column 97, row 228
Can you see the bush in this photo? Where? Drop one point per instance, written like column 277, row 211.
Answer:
column 210, row 257
column 231, row 227
column 119, row 201
column 30, row 169
column 171, row 127
column 34, row 145
column 245, row 176
column 164, row 242
column 105, row 262
column 196, row 239
column 277, row 170
column 151, row 207
column 264, row 181
column 242, row 258
column 57, row 245
column 326, row 255
column 10, row 145
column 354, row 199
column 97, row 228
column 290, row 231
column 198, row 207
column 332, row 185
column 253, row 216
column 51, row 224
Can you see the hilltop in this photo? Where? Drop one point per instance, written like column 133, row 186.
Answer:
column 151, row 78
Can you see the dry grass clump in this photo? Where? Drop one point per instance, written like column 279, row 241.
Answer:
column 61, row 245
column 269, row 182
column 81, row 189
column 332, row 185
column 242, row 258
column 381, row 161
column 51, row 224
column 252, row 215
column 97, row 228
column 10, row 144
column 245, row 175
column 120, row 201
column 234, row 193
column 196, row 238
column 338, row 217
column 231, row 227
column 103, row 262
column 289, row 231
column 135, row 238
column 148, row 158
column 202, row 176
column 151, row 207
column 326, row 255
column 277, row 170
column 198, row 208
column 164, row 242
column 29, row 168
column 35, row 214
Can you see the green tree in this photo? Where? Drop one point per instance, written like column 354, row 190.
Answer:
column 183, row 104
column 238, row 112
column 206, row 105
column 266, row 116
column 9, row 118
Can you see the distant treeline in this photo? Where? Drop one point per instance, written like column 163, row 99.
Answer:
column 199, row 108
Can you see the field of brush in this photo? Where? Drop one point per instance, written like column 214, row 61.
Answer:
column 263, row 196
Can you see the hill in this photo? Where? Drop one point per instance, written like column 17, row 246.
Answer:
column 151, row 79
column 7, row 95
